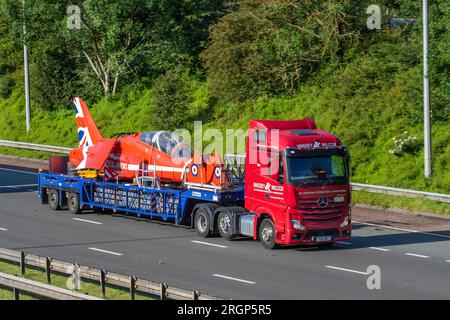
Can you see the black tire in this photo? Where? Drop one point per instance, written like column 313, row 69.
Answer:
column 267, row 234
column 53, row 199
column 224, row 225
column 73, row 203
column 202, row 223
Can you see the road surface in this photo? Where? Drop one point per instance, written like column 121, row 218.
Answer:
column 413, row 265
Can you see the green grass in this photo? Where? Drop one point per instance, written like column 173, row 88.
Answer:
column 87, row 287
column 404, row 203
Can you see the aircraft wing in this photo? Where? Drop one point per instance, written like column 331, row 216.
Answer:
column 96, row 156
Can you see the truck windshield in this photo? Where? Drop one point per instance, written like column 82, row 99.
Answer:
column 321, row 170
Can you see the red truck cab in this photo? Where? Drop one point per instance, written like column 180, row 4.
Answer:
column 296, row 184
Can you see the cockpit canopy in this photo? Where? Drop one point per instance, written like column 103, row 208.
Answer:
column 167, row 142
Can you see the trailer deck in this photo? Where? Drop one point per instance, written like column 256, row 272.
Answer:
column 167, row 204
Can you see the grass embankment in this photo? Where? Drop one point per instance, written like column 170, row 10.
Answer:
column 87, row 287
column 405, row 203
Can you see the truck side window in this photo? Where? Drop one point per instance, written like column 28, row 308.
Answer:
column 260, row 136
column 281, row 171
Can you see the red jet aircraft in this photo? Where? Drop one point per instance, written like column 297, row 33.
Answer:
column 126, row 156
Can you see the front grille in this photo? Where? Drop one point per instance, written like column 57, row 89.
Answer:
column 323, row 232
column 321, row 216
column 312, row 205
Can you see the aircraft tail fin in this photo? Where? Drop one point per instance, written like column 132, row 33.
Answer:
column 88, row 133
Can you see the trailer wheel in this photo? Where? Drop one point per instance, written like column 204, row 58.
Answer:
column 224, row 225
column 267, row 234
column 73, row 203
column 53, row 199
column 202, row 223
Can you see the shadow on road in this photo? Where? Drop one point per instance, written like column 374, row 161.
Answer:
column 16, row 189
column 383, row 240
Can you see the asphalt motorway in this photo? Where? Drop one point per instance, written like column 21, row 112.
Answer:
column 413, row 265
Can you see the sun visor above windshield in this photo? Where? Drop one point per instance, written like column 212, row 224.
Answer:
column 331, row 149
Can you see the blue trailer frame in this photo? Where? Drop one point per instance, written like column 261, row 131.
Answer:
column 167, row 204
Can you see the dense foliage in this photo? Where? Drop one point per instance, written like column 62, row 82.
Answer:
column 162, row 64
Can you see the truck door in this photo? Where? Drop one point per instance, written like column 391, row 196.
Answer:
column 268, row 185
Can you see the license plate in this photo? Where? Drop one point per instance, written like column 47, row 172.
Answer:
column 323, row 238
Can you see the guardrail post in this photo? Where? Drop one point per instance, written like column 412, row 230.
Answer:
column 103, row 282
column 16, row 294
column 132, row 287
column 22, row 263
column 76, row 277
column 48, row 269
column 195, row 295
column 163, row 291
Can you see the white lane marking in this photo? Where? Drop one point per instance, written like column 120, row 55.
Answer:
column 447, row 260
column 19, row 171
column 343, row 242
column 234, row 279
column 347, row 270
column 19, row 186
column 416, row 255
column 401, row 229
column 3, row 229
column 380, row 249
column 209, row 244
column 88, row 221
column 106, row 251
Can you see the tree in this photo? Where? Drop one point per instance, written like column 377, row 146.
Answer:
column 114, row 37
column 269, row 46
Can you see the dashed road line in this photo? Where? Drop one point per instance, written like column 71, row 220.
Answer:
column 88, row 221
column 344, row 242
column 416, row 255
column 234, row 279
column 209, row 244
column 347, row 270
column 380, row 249
column 3, row 229
column 19, row 186
column 106, row 251
column 19, row 171
column 401, row 229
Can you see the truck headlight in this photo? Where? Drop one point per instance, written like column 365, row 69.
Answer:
column 297, row 225
column 346, row 222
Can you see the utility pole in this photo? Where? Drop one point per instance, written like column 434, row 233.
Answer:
column 26, row 70
column 426, row 94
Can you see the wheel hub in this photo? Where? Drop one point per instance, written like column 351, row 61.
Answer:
column 201, row 224
column 267, row 234
column 225, row 224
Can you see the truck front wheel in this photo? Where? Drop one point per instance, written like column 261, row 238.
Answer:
column 53, row 199
column 267, row 234
column 202, row 223
column 73, row 203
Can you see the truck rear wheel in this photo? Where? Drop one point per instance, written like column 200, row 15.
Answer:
column 53, row 199
column 267, row 234
column 202, row 223
column 224, row 225
column 73, row 203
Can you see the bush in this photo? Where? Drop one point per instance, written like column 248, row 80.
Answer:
column 7, row 84
column 171, row 101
